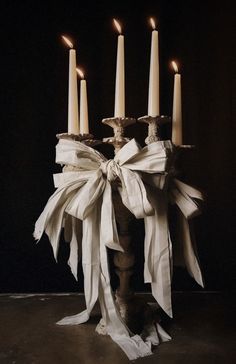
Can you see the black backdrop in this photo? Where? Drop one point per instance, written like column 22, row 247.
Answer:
column 34, row 76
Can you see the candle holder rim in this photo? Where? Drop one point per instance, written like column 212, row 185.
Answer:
column 159, row 119
column 119, row 121
column 76, row 137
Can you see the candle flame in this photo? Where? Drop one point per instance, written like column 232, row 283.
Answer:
column 67, row 41
column 80, row 72
column 117, row 25
column 153, row 24
column 175, row 67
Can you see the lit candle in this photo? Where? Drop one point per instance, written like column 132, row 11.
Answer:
column 73, row 115
column 120, row 75
column 177, row 108
column 154, row 93
column 84, row 124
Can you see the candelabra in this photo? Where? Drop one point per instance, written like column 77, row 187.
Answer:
column 96, row 190
column 93, row 195
column 134, row 310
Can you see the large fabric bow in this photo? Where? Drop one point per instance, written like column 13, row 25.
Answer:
column 85, row 194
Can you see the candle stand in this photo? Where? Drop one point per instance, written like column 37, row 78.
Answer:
column 135, row 311
column 102, row 197
column 154, row 124
column 118, row 125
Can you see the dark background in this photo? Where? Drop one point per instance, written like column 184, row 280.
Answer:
column 34, row 76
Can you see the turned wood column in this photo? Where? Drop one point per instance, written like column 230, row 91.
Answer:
column 134, row 310
column 124, row 261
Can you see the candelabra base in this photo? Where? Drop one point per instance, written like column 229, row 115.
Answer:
column 137, row 314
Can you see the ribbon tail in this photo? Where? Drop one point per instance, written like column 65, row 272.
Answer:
column 190, row 257
column 133, row 346
column 91, row 266
column 158, row 252
column 109, row 234
column 51, row 219
column 133, row 193
column 73, row 235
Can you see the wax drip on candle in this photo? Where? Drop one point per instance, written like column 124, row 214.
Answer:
column 84, row 123
column 73, row 114
column 177, row 108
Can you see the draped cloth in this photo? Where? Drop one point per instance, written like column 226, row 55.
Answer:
column 82, row 204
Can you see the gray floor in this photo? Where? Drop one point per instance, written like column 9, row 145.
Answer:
column 202, row 331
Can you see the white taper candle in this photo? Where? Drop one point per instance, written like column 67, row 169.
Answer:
column 84, row 123
column 119, row 110
column 154, row 92
column 177, row 137
column 73, row 114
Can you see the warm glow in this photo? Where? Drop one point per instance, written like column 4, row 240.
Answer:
column 67, row 41
column 117, row 25
column 80, row 72
column 153, row 24
column 175, row 67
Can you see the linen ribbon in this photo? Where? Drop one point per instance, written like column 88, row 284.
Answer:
column 86, row 195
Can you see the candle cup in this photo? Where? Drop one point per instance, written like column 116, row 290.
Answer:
column 118, row 125
column 154, row 123
column 87, row 139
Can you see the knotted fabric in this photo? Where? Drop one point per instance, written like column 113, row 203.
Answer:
column 82, row 204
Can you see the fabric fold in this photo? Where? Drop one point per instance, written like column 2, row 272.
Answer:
column 82, row 205
column 158, row 251
column 186, row 198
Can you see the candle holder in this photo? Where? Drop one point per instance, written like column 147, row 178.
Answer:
column 118, row 125
column 154, row 123
column 87, row 139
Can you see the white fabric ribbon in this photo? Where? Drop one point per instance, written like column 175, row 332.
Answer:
column 186, row 198
column 87, row 195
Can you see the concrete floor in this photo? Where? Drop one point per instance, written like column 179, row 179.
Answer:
column 202, row 332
